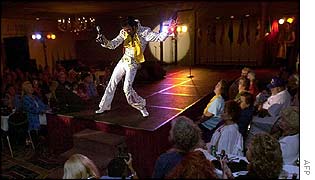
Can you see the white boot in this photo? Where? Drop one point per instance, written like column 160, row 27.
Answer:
column 100, row 111
column 144, row 112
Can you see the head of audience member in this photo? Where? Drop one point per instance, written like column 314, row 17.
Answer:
column 27, row 88
column 72, row 75
column 221, row 88
column 62, row 76
column 117, row 167
column 264, row 156
column 245, row 72
column 79, row 166
column 10, row 89
column 185, row 134
column 243, row 84
column 194, row 165
column 251, row 76
column 276, row 85
column 231, row 111
column 246, row 100
column 86, row 77
column 290, row 121
column 293, row 84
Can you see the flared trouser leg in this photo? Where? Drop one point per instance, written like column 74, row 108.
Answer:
column 109, row 93
column 132, row 97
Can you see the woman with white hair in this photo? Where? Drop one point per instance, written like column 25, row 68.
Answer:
column 290, row 135
column 79, row 166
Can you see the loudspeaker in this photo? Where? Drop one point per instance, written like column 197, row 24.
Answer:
column 17, row 53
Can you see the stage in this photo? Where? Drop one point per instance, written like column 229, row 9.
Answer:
column 146, row 138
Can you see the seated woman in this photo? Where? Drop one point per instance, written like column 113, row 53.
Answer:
column 212, row 113
column 264, row 156
column 253, row 85
column 288, row 129
column 185, row 136
column 79, row 166
column 227, row 137
column 193, row 166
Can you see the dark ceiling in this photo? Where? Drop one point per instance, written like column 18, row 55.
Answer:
column 52, row 10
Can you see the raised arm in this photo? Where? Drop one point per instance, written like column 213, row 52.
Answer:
column 152, row 36
column 114, row 43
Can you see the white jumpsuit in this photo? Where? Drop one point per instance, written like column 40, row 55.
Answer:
column 128, row 66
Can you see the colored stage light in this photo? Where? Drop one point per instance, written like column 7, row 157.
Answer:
column 290, row 20
column 184, row 28
column 281, row 21
column 38, row 36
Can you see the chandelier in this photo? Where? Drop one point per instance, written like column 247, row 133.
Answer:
column 76, row 24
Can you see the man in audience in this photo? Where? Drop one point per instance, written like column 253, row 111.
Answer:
column 269, row 111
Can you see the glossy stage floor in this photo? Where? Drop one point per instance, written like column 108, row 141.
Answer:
column 165, row 99
column 146, row 138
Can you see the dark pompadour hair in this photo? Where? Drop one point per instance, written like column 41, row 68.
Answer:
column 128, row 21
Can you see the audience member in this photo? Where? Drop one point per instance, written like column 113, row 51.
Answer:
column 120, row 168
column 269, row 111
column 253, row 85
column 79, row 166
column 212, row 113
column 233, row 89
column 89, row 85
column 185, row 137
column 66, row 99
column 243, row 86
column 246, row 113
column 12, row 100
column 194, row 165
column 287, row 129
column 264, row 156
column 227, row 137
column 280, row 98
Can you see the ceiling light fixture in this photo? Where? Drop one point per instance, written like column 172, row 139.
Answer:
column 76, row 24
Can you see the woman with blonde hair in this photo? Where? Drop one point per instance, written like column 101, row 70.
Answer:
column 34, row 107
column 264, row 156
column 79, row 166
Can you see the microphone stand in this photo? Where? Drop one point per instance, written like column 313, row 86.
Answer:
column 190, row 75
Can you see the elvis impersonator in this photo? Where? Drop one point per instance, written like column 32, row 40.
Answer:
column 134, row 38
